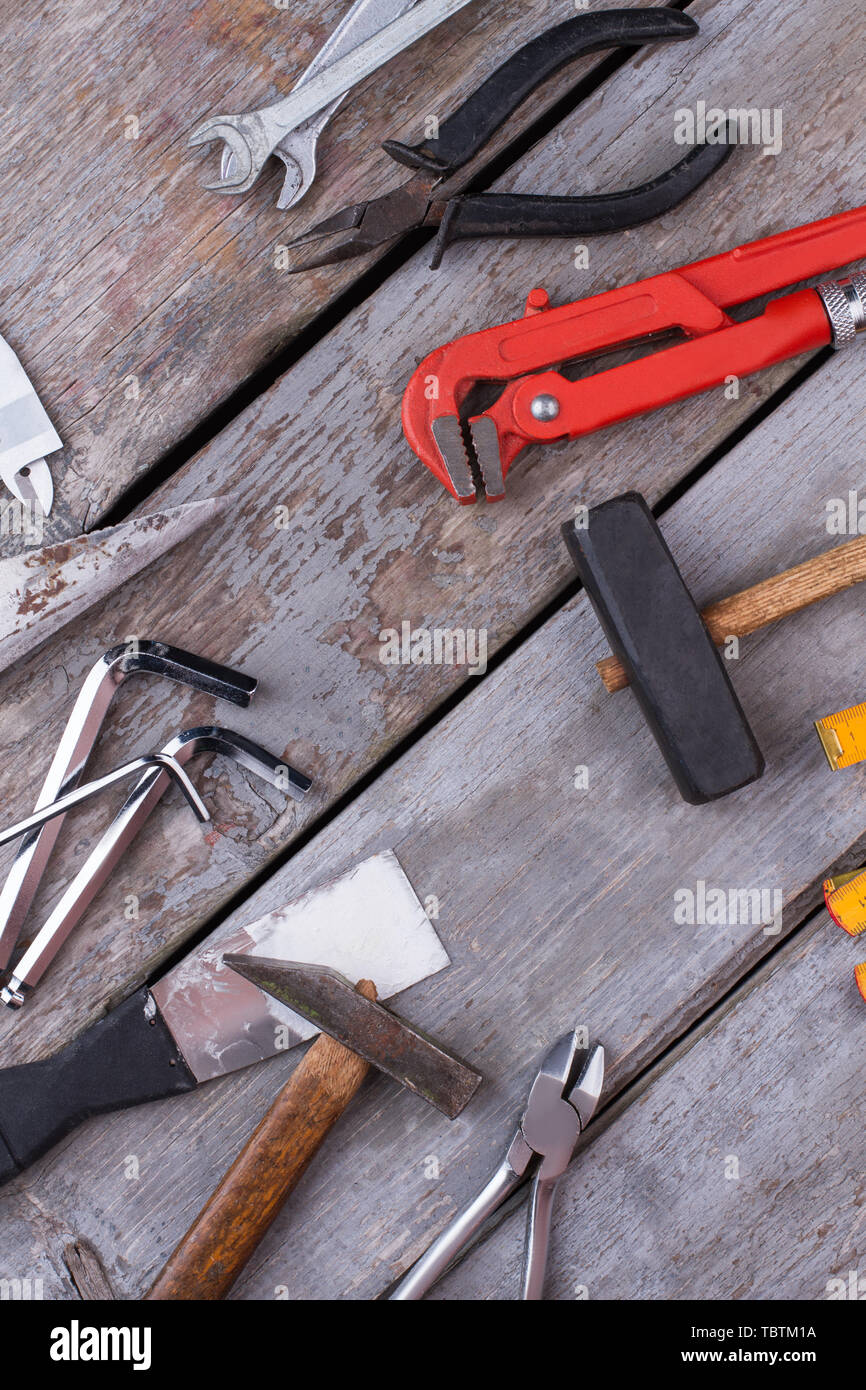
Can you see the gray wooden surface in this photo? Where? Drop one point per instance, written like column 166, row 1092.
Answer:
column 556, row 904
column 138, row 301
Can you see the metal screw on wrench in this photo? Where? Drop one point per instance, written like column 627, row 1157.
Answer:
column 544, row 407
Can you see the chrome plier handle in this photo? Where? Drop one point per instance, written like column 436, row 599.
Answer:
column 562, row 1101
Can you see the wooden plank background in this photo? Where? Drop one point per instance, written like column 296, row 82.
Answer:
column 553, row 902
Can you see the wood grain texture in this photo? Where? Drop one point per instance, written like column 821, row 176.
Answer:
column 553, row 907
column 552, row 901
column 777, row 597
column 737, row 1174
column 137, row 300
column 217, row 1247
column 368, row 539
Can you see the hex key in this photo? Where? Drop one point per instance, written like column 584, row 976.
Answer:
column 123, row 830
column 164, row 761
column 76, row 744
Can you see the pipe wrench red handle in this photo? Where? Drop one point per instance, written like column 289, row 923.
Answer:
column 538, row 404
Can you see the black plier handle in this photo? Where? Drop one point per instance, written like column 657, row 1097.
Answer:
column 362, row 227
column 464, row 133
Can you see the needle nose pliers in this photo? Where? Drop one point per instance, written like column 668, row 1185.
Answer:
column 361, row 227
column 561, row 1103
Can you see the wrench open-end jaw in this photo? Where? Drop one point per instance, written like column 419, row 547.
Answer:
column 561, row 1103
column 142, row 800
column 298, row 149
column 253, row 136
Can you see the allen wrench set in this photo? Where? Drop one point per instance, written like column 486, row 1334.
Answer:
column 62, row 790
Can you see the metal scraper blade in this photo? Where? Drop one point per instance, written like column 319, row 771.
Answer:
column 26, row 434
column 367, row 923
column 42, row 590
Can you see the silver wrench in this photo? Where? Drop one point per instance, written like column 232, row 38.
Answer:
column 254, row 135
column 297, row 150
column 164, row 762
column 102, row 859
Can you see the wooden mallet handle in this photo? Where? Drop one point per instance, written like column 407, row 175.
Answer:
column 234, row 1219
column 778, row 597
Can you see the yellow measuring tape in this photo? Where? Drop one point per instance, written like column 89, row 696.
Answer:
column 845, row 897
column 843, row 738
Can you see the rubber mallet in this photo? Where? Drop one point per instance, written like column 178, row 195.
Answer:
column 667, row 651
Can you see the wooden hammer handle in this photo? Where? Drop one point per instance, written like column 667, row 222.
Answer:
column 778, row 597
column 211, row 1255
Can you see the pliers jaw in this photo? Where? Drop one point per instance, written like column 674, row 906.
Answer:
column 561, row 1104
column 562, row 1101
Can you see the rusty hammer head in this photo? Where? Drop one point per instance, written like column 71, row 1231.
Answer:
column 330, row 1002
column 654, row 627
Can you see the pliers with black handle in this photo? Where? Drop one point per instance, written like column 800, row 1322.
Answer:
column 361, row 227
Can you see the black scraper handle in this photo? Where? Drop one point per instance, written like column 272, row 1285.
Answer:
column 465, row 132
column 126, row 1058
column 529, row 214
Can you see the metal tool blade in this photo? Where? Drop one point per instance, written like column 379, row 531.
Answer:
column 297, row 150
column 254, row 135
column 325, row 997
column 42, row 590
column 26, row 434
column 448, row 435
column 586, row 1091
column 363, row 227
column 367, row 922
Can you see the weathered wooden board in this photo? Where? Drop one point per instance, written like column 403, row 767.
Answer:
column 137, row 300
column 372, row 539
column 738, row 1174
column 483, row 811
column 557, row 905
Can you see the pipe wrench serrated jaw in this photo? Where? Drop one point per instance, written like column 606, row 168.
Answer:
column 693, row 345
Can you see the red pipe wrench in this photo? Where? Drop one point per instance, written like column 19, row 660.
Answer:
column 538, row 404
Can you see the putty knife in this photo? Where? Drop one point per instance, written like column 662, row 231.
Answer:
column 203, row 1019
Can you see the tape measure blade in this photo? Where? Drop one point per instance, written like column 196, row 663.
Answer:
column 843, row 736
column 845, row 898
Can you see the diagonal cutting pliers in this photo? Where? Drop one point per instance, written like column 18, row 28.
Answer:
column 361, row 227
column 562, row 1101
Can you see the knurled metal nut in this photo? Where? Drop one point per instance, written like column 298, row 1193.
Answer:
column 846, row 319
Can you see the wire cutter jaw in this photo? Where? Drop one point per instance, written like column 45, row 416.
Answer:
column 561, row 1103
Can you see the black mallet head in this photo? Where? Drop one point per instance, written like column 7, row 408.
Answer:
column 653, row 625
